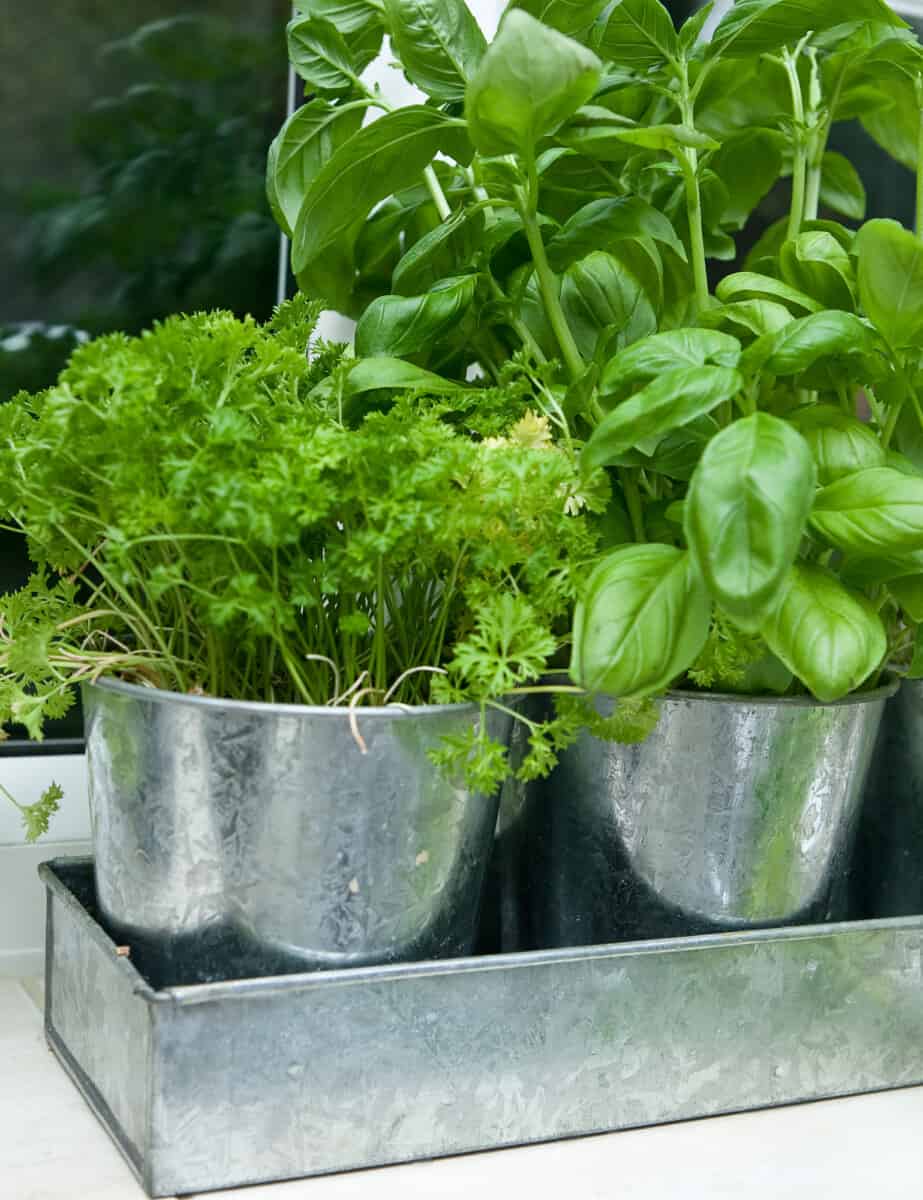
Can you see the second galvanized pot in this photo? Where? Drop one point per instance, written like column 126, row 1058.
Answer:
column 234, row 838
column 735, row 813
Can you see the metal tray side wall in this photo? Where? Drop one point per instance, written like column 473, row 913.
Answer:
column 267, row 1087
column 227, row 1084
column 97, row 1024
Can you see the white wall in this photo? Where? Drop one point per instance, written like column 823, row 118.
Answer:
column 22, row 908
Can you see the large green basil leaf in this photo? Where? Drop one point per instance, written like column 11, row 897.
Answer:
column 665, row 137
column 603, row 292
column 649, row 358
column 439, row 42
column 573, row 17
column 825, row 349
column 319, row 53
column 908, row 592
column 636, row 33
column 375, row 162
column 641, row 621
column 443, row 247
column 369, row 374
column 748, row 165
column 600, row 224
column 743, row 317
column 841, row 188
column 349, row 16
column 874, row 511
column 401, row 325
column 816, row 264
column 862, row 570
column 891, row 280
column 529, row 82
column 753, row 27
column 675, row 398
column 304, row 143
column 746, row 512
column 748, row 285
column 839, row 442
column 679, row 453
column 831, row 638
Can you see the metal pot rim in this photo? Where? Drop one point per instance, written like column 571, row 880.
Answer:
column 884, row 692
column 387, row 712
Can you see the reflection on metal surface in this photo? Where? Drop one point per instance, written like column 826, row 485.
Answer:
column 888, row 875
column 734, row 813
column 387, row 1064
column 266, row 828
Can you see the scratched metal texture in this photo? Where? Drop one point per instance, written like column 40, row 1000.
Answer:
column 278, row 1078
column 285, row 836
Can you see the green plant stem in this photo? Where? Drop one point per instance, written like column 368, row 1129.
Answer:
column 633, row 500
column 435, row 190
column 546, row 282
column 800, row 154
column 918, row 213
column 689, row 164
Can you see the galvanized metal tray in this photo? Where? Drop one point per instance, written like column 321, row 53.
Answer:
column 239, row 1082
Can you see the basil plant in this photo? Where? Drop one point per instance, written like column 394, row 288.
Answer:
column 557, row 207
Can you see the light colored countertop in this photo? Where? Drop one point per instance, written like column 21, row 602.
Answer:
column 52, row 1148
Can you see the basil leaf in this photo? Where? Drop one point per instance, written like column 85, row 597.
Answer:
column 841, row 188
column 831, row 638
column 861, row 570
column 636, row 33
column 641, row 621
column 665, row 137
column 747, row 316
column 439, row 42
column 304, row 143
column 754, row 27
column 602, row 223
column 908, row 592
column 748, row 164
column 573, row 17
column 873, row 511
column 529, row 82
column 441, row 246
column 679, row 453
column 400, row 325
column 673, row 399
column 891, row 280
column 375, row 162
column 746, row 511
column 826, row 348
column 747, row 285
column 371, row 373
column 603, row 291
column 319, row 54
column 649, row 358
column 840, row 444
column 816, row 264
column 349, row 16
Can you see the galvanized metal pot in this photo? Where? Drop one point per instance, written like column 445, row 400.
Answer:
column 735, row 813
column 232, row 836
column 888, row 876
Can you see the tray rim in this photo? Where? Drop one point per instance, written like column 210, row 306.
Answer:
column 307, row 981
